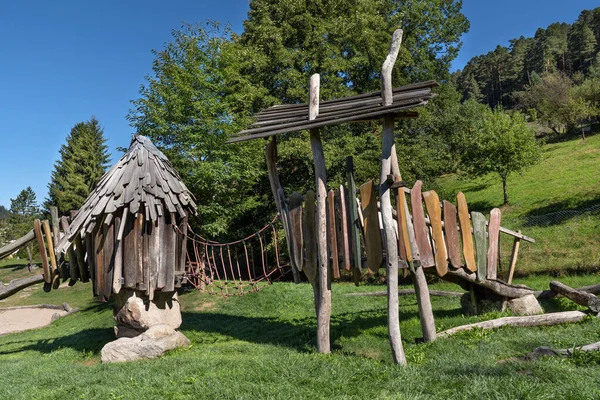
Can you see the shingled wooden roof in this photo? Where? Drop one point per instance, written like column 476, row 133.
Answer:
column 144, row 181
column 294, row 117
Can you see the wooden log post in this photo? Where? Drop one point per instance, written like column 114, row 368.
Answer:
column 324, row 306
column 391, row 244
column 17, row 244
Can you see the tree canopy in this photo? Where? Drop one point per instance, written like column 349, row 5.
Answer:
column 207, row 82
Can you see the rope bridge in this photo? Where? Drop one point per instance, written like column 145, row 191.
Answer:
column 234, row 268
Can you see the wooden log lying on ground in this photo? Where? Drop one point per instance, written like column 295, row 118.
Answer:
column 406, row 292
column 579, row 297
column 19, row 284
column 530, row 320
column 543, row 351
column 503, row 289
column 549, row 294
column 17, row 244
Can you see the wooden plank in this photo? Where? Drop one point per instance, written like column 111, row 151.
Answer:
column 493, row 236
column 345, row 231
column 120, row 221
column 354, row 226
column 373, row 244
column 310, row 240
column 183, row 227
column 73, row 262
column 129, row 253
column 403, row 235
column 155, row 248
column 465, row 231
column 451, row 231
column 55, row 224
column 139, row 250
column 99, row 256
column 159, row 246
column 332, row 228
column 80, row 250
column 295, row 210
column 432, row 203
column 171, row 252
column 91, row 260
column 37, row 228
column 108, row 257
column 420, row 227
column 48, row 235
column 480, row 244
column 146, row 267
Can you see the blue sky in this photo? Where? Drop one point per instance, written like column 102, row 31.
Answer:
column 64, row 61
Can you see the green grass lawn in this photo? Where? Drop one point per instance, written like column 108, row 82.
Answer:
column 262, row 345
column 567, row 179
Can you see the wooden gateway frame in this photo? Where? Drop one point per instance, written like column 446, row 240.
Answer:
column 389, row 104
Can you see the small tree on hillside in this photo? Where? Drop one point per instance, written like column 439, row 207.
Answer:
column 83, row 160
column 502, row 144
column 23, row 210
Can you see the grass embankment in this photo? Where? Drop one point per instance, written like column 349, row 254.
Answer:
column 565, row 182
column 262, row 345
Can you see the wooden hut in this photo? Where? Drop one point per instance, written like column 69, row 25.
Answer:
column 131, row 230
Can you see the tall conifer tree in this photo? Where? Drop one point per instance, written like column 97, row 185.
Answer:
column 83, row 160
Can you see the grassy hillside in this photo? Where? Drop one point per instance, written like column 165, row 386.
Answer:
column 546, row 204
column 262, row 345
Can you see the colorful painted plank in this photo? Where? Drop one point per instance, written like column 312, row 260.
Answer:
column 465, row 231
column 310, row 237
column 373, row 244
column 480, row 244
column 344, row 223
column 39, row 237
column 295, row 212
column 420, row 226
column 451, row 231
column 434, row 210
column 403, row 236
column 332, row 230
column 493, row 236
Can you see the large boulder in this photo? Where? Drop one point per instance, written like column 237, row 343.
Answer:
column 135, row 310
column 153, row 343
column 526, row 305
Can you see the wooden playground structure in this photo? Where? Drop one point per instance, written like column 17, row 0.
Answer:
column 133, row 233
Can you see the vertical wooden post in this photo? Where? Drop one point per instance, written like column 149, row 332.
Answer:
column 513, row 259
column 391, row 244
column 324, row 306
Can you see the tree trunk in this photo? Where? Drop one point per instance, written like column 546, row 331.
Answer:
column 505, row 191
column 391, row 244
column 323, row 306
column 17, row 244
column 19, row 284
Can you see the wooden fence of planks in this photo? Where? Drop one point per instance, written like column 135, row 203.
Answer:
column 447, row 236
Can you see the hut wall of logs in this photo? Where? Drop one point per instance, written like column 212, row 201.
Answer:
column 131, row 231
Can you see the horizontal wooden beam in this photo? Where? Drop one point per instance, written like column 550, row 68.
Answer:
column 380, row 112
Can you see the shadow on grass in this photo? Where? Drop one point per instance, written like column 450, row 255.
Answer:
column 296, row 334
column 559, row 212
column 570, row 136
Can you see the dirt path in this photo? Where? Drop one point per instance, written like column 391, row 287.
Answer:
column 22, row 319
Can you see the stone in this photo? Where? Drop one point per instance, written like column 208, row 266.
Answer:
column 134, row 309
column 526, row 305
column 124, row 331
column 142, row 346
column 158, row 332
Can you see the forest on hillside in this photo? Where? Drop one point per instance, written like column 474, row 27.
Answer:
column 554, row 76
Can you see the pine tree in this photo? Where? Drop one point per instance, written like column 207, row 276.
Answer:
column 23, row 210
column 83, row 160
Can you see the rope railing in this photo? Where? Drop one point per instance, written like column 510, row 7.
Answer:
column 235, row 267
